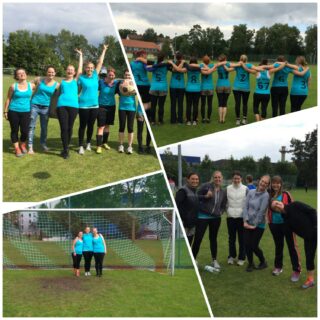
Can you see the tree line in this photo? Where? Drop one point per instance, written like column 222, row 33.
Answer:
column 266, row 41
column 34, row 51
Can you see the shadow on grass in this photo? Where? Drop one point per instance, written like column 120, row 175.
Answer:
column 41, row 175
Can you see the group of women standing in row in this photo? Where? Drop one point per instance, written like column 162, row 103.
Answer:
column 248, row 210
column 88, row 244
column 78, row 93
column 199, row 85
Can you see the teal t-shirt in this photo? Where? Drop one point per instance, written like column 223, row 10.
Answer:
column 280, row 78
column 263, row 83
column 68, row 94
column 177, row 80
column 300, row 84
column 159, row 79
column 242, row 79
column 78, row 247
column 107, row 93
column 203, row 215
column 139, row 73
column 89, row 90
column 276, row 216
column 44, row 94
column 223, row 76
column 20, row 100
column 127, row 103
column 87, row 239
column 98, row 246
column 206, row 79
column 193, row 81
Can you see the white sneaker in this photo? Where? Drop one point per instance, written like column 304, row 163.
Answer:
column 189, row 123
column 129, row 150
column 215, row 264
column 88, row 273
column 81, row 150
column 121, row 148
column 238, row 122
column 194, row 123
column 240, row 262
column 88, row 148
column 230, row 260
column 244, row 121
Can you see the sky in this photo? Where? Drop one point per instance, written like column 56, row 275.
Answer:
column 92, row 20
column 256, row 140
column 171, row 19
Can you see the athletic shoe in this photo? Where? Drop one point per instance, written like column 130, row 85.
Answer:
column 89, row 274
column 81, row 150
column 208, row 120
column 106, row 146
column 188, row 123
column 215, row 264
column 23, row 148
column 30, row 151
column 129, row 150
column 121, row 148
column 295, row 276
column 18, row 152
column 262, row 265
column 238, row 122
column 240, row 262
column 194, row 123
column 44, row 147
column 88, row 148
column 204, row 121
column 230, row 260
column 99, row 150
column 86, row 274
column 276, row 271
column 308, row 284
column 250, row 267
column 78, row 273
column 244, row 121
column 148, row 149
column 140, row 150
column 64, row 154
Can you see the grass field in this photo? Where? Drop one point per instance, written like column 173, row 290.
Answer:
column 237, row 293
column 172, row 133
column 46, row 175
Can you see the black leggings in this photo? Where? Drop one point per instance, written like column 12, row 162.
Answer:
column 87, row 119
column 140, row 125
column 296, row 102
column 192, row 105
column 126, row 116
column 279, row 233
column 310, row 247
column 98, row 258
column 66, row 116
column 176, row 97
column 279, row 97
column 252, row 239
column 76, row 260
column 201, row 227
column 157, row 100
column 237, row 98
column 235, row 225
column 87, row 255
column 19, row 120
column 203, row 106
column 223, row 98
column 264, row 100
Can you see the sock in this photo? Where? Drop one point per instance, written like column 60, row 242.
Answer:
column 105, row 137
column 99, row 140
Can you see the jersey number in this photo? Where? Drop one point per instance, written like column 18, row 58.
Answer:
column 243, row 77
column 178, row 77
column 222, row 76
column 303, row 85
column 158, row 76
column 260, row 86
column 194, row 79
column 281, row 79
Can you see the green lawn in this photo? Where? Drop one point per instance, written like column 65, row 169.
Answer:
column 237, row 293
column 46, row 175
column 168, row 133
column 119, row 293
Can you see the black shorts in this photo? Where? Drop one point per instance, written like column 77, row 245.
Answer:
column 106, row 115
column 144, row 93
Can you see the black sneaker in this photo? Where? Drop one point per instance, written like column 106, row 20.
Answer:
column 250, row 267
column 261, row 265
column 140, row 150
column 148, row 149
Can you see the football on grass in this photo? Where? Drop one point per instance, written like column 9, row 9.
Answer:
column 127, row 87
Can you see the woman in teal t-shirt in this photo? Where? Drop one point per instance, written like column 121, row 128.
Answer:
column 77, row 249
column 88, row 100
column 99, row 250
column 17, row 110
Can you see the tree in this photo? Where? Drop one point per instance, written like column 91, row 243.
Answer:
column 215, row 43
column 311, row 42
column 265, row 166
column 261, row 41
column 150, row 35
column 181, row 43
column 247, row 165
column 196, row 39
column 166, row 48
column 125, row 32
column 241, row 41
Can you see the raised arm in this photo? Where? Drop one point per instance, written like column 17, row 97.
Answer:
column 143, row 60
column 80, row 65
column 300, row 73
column 104, row 243
column 209, row 71
column 101, row 58
column 273, row 70
column 8, row 100
column 253, row 70
column 229, row 69
column 179, row 68
column 292, row 66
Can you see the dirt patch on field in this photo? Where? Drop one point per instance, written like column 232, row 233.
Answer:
column 58, row 284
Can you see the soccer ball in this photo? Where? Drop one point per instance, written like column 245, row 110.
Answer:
column 127, row 87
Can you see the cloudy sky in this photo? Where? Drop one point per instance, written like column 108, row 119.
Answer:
column 256, row 140
column 92, row 20
column 169, row 18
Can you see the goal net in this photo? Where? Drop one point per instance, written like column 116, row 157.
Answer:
column 143, row 238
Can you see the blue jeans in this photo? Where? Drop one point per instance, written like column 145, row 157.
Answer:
column 43, row 112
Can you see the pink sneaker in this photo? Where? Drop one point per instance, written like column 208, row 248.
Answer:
column 276, row 271
column 308, row 284
column 295, row 276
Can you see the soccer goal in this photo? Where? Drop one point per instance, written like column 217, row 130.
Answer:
column 140, row 238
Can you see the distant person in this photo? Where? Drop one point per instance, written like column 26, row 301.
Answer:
column 212, row 204
column 77, row 249
column 254, row 219
column 236, row 197
column 280, row 231
column 249, row 180
column 302, row 220
column 188, row 204
column 99, row 250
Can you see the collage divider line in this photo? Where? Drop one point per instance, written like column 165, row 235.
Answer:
column 163, row 171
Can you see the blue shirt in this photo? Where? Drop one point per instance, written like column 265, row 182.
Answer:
column 68, row 94
column 242, row 79
column 139, row 73
column 177, row 80
column 203, row 215
column 223, row 76
column 193, row 81
column 263, row 82
column 78, row 246
column 300, row 84
column 107, row 93
column 87, row 239
column 98, row 246
column 44, row 94
column 20, row 100
column 276, row 216
column 159, row 78
column 280, row 78
column 127, row 103
column 139, row 110
column 89, row 90
column 206, row 79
